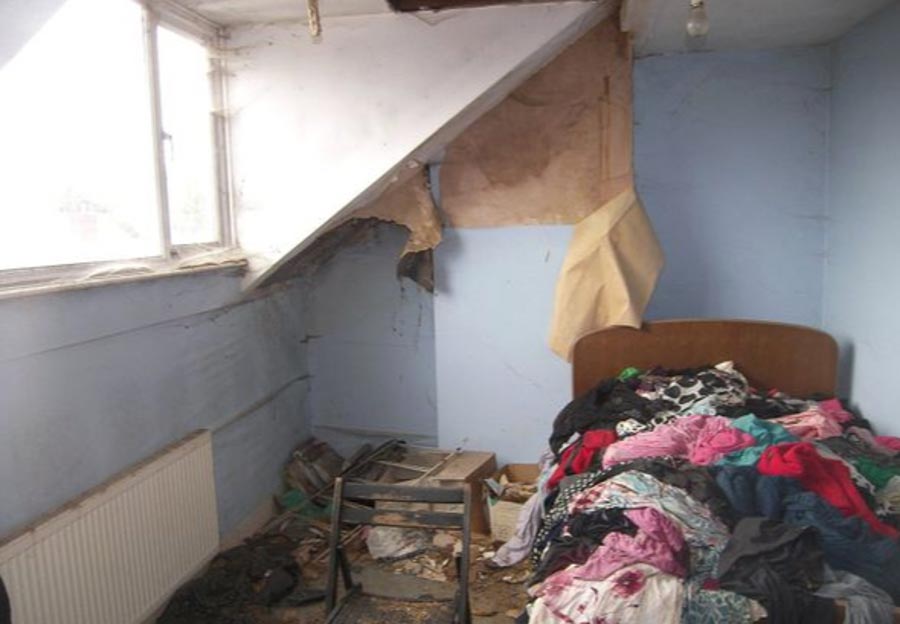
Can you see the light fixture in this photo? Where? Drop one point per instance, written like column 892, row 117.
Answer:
column 698, row 20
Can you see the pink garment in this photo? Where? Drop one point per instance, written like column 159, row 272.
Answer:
column 835, row 410
column 658, row 542
column 702, row 439
column 820, row 421
column 716, row 440
column 813, row 424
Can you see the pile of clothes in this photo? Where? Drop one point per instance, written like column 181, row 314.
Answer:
column 689, row 496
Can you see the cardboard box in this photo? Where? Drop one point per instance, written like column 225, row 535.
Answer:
column 504, row 514
column 447, row 469
column 471, row 467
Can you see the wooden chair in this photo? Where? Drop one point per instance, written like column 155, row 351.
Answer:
column 354, row 503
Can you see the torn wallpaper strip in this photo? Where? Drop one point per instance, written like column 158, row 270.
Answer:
column 408, row 202
column 608, row 275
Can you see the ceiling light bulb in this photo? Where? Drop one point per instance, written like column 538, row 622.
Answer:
column 698, row 20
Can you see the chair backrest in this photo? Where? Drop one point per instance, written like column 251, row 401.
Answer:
column 357, row 503
column 415, row 518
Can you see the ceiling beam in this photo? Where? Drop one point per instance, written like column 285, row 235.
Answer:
column 406, row 6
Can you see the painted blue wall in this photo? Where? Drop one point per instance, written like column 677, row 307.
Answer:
column 862, row 277
column 372, row 357
column 94, row 380
column 498, row 384
column 731, row 157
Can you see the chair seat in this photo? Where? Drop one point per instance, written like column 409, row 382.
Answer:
column 365, row 609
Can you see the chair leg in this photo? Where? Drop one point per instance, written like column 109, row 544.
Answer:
column 345, row 569
column 334, row 541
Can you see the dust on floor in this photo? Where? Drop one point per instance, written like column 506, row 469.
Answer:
column 264, row 580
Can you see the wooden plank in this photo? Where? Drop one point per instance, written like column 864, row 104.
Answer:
column 464, row 465
column 404, row 493
column 404, row 518
column 404, row 466
column 406, row 6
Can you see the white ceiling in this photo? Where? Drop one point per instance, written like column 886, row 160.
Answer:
column 659, row 25
column 231, row 12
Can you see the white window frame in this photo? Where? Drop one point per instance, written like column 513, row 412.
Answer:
column 172, row 16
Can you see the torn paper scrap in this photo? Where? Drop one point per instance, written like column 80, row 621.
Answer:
column 408, row 202
column 608, row 275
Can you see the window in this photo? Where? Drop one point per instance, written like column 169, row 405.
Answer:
column 109, row 146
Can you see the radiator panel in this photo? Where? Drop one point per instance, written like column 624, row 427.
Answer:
column 116, row 554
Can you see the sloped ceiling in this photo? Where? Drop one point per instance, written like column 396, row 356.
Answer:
column 659, row 25
column 320, row 127
column 19, row 20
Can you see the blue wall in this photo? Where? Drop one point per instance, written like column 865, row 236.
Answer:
column 94, row 380
column 498, row 384
column 731, row 157
column 372, row 355
column 731, row 154
column 862, row 278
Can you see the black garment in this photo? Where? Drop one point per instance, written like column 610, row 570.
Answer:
column 586, row 531
column 5, row 608
column 779, row 565
column 764, row 407
column 852, row 447
column 848, row 542
column 600, row 408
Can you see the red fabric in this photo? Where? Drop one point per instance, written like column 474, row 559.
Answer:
column 591, row 442
column 829, row 478
column 888, row 442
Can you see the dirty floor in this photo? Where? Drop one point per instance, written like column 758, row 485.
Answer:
column 497, row 595
column 263, row 580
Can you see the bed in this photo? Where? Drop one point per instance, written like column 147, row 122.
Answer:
column 797, row 360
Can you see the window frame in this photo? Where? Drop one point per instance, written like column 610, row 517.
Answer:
column 172, row 16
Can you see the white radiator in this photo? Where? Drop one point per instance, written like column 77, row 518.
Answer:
column 116, row 554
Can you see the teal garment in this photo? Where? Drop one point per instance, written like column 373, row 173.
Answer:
column 766, row 434
column 714, row 606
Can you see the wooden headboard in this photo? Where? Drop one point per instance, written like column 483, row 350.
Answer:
column 795, row 359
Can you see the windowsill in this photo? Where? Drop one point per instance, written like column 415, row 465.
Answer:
column 44, row 280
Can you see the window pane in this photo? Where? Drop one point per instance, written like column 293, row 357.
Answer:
column 76, row 150
column 187, row 123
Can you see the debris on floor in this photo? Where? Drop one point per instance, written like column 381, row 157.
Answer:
column 386, row 542
column 262, row 572
column 278, row 576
